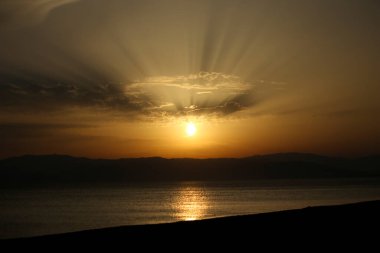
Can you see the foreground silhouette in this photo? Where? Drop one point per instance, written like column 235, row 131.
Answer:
column 346, row 224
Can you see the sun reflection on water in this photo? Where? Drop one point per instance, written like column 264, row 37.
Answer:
column 190, row 203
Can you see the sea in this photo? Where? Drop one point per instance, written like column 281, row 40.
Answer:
column 33, row 211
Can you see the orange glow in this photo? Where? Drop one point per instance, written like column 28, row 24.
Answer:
column 198, row 79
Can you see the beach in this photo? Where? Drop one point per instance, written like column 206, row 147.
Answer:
column 323, row 224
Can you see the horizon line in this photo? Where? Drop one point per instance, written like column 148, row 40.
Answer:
column 193, row 158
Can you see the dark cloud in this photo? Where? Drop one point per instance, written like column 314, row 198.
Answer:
column 290, row 66
column 55, row 95
column 169, row 57
column 40, row 93
column 56, row 57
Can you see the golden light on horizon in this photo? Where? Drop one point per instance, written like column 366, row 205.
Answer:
column 191, row 129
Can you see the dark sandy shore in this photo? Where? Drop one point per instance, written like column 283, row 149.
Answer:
column 342, row 224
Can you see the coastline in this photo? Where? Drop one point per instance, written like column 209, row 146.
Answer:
column 357, row 220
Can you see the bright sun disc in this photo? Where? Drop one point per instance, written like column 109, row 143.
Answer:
column 190, row 129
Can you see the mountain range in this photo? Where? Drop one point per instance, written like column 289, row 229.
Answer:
column 56, row 169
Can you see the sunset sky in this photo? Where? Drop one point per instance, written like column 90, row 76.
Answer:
column 125, row 78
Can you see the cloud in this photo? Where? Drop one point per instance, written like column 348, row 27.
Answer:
column 195, row 94
column 44, row 94
column 16, row 13
column 114, row 57
column 204, row 93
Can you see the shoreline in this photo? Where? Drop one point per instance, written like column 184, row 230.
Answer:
column 356, row 220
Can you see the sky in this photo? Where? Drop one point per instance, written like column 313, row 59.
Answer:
column 124, row 78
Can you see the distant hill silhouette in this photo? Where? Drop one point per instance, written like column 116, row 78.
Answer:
column 31, row 169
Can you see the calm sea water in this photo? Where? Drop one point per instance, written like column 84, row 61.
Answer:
column 28, row 212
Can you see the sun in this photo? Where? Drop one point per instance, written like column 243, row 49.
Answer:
column 191, row 129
